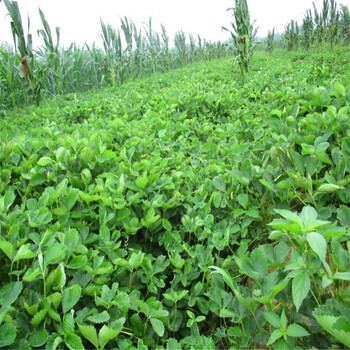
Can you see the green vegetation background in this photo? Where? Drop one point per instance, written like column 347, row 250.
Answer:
column 164, row 213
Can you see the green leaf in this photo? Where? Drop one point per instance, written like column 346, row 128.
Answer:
column 200, row 318
column 167, row 225
column 243, row 200
column 345, row 276
column 158, row 326
column 277, row 288
column 102, row 317
column 77, row 262
column 137, row 324
column 308, row 215
column 295, row 330
column 259, row 263
column 272, row 319
column 235, row 332
column 38, row 317
column 53, row 341
column 343, row 214
column 73, row 342
column 219, row 183
column 339, row 88
column 253, row 212
column 10, row 293
column 71, row 296
column 54, row 315
column 89, row 333
column 38, row 337
column 68, row 323
column 217, row 198
column 7, row 248
column 276, row 334
column 283, row 320
column 299, row 162
column 287, row 214
column 53, row 252
column 43, row 161
column 7, row 334
column 31, row 274
column 329, row 315
column 70, row 198
column 60, row 211
column 142, row 182
column 247, row 302
column 300, row 288
column 86, row 176
column 173, row 344
column 136, row 259
column 71, row 239
column 224, row 313
column 37, row 179
column 24, row 253
column 7, row 200
column 329, row 188
column 106, row 334
column 318, row 244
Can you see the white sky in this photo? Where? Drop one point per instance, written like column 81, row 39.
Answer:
column 79, row 20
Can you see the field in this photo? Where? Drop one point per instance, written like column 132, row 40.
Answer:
column 192, row 209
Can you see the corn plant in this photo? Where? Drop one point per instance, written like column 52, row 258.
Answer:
column 180, row 44
column 128, row 28
column 243, row 34
column 52, row 52
column 139, row 59
column 291, row 35
column 192, row 48
column 113, row 49
column 25, row 47
column 11, row 81
column 333, row 23
column 166, row 55
column 345, row 24
column 150, row 41
column 321, row 22
column 307, row 30
column 270, row 40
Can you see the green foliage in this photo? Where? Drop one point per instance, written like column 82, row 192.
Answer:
column 187, row 210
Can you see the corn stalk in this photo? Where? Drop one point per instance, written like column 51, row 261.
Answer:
column 270, row 40
column 180, row 45
column 52, row 52
column 24, row 46
column 291, row 35
column 345, row 25
column 150, row 40
column 113, row 49
column 166, row 56
column 307, row 30
column 243, row 34
column 128, row 30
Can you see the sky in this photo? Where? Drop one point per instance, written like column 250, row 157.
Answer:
column 79, row 20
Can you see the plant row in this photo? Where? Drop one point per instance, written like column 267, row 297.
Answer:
column 28, row 74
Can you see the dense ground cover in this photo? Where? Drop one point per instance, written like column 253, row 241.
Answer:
column 192, row 209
